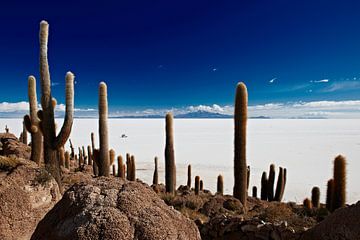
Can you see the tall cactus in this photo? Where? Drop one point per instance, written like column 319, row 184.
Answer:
column 264, row 183
column 339, row 196
column 62, row 157
column 89, row 157
column 280, row 185
column 201, row 185
column 170, row 167
column 156, row 175
column 133, row 168
column 315, row 197
column 197, row 185
column 32, row 122
column 240, row 120
column 128, row 166
column 254, row 192
column 94, row 152
column 121, row 172
column 112, row 161
column 104, row 161
column 24, row 134
column 271, row 180
column 189, row 176
column 220, row 185
column 67, row 160
column 53, row 142
column 329, row 194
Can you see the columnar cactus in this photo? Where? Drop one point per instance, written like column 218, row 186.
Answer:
column 271, row 180
column 189, row 176
column 307, row 204
column 197, row 185
column 81, row 158
column 84, row 155
column 104, row 161
column 254, row 192
column 201, row 185
column 247, row 177
column 112, row 161
column 89, row 157
column 220, row 185
column 170, row 167
column 24, row 134
column 62, row 156
column 32, row 123
column 72, row 155
column 67, row 160
column 280, row 185
column 94, row 152
column 315, row 197
column 52, row 142
column 128, row 166
column 339, row 196
column 133, row 168
column 329, row 194
column 156, row 175
column 121, row 172
column 240, row 167
column 264, row 183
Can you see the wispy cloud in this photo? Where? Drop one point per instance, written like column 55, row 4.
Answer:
column 342, row 86
column 321, row 81
column 272, row 80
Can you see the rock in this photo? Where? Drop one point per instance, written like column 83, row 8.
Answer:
column 12, row 147
column 27, row 193
column 342, row 224
column 112, row 208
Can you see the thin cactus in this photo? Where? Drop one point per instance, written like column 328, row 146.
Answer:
column 270, row 185
column 264, row 183
column 197, row 185
column 240, row 167
column 220, row 185
column 84, row 155
column 67, row 160
column 32, row 123
column 112, row 161
column 247, row 177
column 280, row 186
column 339, row 196
column 121, row 172
column 315, row 197
column 53, row 142
column 62, row 157
column 24, row 139
column 189, row 176
column 254, row 192
column 329, row 194
column 170, row 167
column 307, row 204
column 201, row 185
column 132, row 168
column 89, row 156
column 72, row 149
column 128, row 167
column 156, row 175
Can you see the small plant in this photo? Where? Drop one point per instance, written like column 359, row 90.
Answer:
column 42, row 178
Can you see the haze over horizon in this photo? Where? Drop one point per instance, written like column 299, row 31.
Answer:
column 298, row 59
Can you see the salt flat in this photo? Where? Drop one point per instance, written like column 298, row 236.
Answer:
column 305, row 147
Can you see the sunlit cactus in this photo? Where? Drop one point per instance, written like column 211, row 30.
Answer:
column 220, row 184
column 339, row 196
column 32, row 122
column 240, row 167
column 170, row 167
column 121, row 172
column 53, row 142
column 156, row 175
column 133, row 168
column 315, row 197
column 197, row 185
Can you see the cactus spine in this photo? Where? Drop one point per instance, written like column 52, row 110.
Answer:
column 315, row 197
column 339, row 196
column 197, row 185
column 121, row 172
column 271, row 180
column 254, row 192
column 52, row 142
column 156, row 175
column 104, row 161
column 329, row 194
column 220, row 185
column 264, row 183
column 240, row 167
column 189, row 177
column 32, row 122
column 170, row 167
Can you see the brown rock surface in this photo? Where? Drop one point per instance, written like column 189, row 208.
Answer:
column 12, row 147
column 27, row 193
column 343, row 224
column 111, row 208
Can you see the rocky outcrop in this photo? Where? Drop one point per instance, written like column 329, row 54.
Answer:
column 27, row 193
column 12, row 147
column 342, row 224
column 111, row 208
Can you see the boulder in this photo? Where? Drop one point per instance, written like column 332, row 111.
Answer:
column 27, row 193
column 113, row 208
column 342, row 224
column 12, row 147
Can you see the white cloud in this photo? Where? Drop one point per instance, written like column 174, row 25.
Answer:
column 14, row 107
column 321, row 81
column 342, row 86
column 272, row 80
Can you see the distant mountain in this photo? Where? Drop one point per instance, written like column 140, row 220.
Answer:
column 202, row 114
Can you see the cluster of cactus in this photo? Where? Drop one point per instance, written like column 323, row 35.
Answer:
column 336, row 187
column 170, row 167
column 267, row 185
column 240, row 167
column 131, row 168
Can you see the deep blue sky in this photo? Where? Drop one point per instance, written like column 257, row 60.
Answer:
column 155, row 54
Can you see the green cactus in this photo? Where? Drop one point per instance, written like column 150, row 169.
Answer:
column 339, row 196
column 220, row 185
column 104, row 161
column 170, row 167
column 264, row 183
column 240, row 167
column 270, row 186
column 197, row 185
column 53, row 142
column 32, row 123
column 315, row 197
column 329, row 194
column 156, row 175
column 189, row 176
column 254, row 192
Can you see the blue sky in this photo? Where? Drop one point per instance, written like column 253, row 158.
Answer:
column 159, row 55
